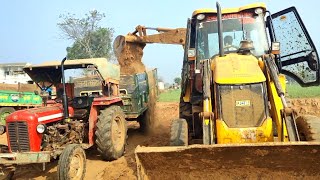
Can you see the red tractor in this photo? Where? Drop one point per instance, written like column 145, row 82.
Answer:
column 83, row 113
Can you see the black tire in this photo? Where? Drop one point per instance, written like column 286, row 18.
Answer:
column 179, row 133
column 111, row 133
column 309, row 128
column 4, row 112
column 72, row 163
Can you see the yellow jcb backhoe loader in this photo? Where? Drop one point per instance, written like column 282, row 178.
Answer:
column 235, row 121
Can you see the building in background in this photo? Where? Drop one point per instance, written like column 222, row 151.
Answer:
column 12, row 73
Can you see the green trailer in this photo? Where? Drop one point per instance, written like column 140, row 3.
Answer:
column 17, row 96
column 138, row 93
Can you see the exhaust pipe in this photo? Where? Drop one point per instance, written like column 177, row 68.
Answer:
column 219, row 16
column 64, row 95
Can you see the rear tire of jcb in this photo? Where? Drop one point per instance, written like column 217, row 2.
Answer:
column 4, row 112
column 111, row 133
column 72, row 163
column 308, row 128
column 179, row 133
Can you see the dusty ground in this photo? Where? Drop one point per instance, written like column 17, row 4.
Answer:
column 125, row 167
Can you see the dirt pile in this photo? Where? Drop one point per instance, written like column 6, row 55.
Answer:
column 19, row 87
column 309, row 106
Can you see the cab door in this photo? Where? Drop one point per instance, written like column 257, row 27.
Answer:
column 298, row 56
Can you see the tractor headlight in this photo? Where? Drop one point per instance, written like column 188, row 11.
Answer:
column 41, row 128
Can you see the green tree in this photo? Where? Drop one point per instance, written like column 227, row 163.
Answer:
column 177, row 80
column 90, row 40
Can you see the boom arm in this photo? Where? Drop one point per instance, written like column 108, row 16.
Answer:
column 129, row 49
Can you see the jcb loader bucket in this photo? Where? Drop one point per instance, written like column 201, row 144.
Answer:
column 294, row 160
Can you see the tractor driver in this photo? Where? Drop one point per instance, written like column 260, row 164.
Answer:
column 228, row 43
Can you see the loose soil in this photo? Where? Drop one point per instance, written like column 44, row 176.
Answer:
column 129, row 56
column 125, row 167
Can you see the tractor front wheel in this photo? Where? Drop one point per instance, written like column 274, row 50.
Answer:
column 72, row 163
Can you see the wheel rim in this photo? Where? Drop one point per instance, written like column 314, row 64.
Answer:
column 76, row 166
column 3, row 117
column 117, row 133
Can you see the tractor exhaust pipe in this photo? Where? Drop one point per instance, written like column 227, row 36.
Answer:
column 64, row 95
column 219, row 16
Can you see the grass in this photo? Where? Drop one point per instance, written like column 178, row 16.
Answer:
column 296, row 91
column 170, row 96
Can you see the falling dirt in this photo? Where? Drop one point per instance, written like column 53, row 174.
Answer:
column 129, row 56
column 125, row 167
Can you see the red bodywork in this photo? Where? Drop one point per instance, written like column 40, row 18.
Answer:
column 35, row 116
column 54, row 113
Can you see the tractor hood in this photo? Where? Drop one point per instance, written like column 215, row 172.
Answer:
column 237, row 69
column 41, row 115
column 51, row 71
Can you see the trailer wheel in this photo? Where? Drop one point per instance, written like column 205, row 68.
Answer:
column 111, row 133
column 4, row 112
column 145, row 121
column 72, row 163
column 179, row 133
column 308, row 128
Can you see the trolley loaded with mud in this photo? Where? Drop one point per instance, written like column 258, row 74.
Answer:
column 86, row 112
column 235, row 121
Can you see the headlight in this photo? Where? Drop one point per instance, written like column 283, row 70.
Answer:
column 41, row 128
column 201, row 17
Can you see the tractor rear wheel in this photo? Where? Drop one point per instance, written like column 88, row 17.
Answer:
column 179, row 133
column 72, row 163
column 111, row 133
column 308, row 128
column 4, row 112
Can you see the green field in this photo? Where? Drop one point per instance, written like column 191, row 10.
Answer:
column 294, row 91
column 170, row 96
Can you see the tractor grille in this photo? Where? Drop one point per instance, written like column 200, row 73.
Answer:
column 18, row 136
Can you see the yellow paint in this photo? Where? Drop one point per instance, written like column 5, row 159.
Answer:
column 226, row 135
column 230, row 10
column 237, row 69
column 186, row 97
column 4, row 97
column 276, row 106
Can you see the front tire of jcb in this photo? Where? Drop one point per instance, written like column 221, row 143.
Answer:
column 72, row 163
column 111, row 133
column 179, row 133
column 309, row 128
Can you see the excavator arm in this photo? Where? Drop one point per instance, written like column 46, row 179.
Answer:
column 129, row 48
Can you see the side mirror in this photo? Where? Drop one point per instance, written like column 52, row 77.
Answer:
column 312, row 61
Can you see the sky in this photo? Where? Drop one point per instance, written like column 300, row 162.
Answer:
column 29, row 30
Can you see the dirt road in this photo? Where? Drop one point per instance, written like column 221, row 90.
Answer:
column 125, row 167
